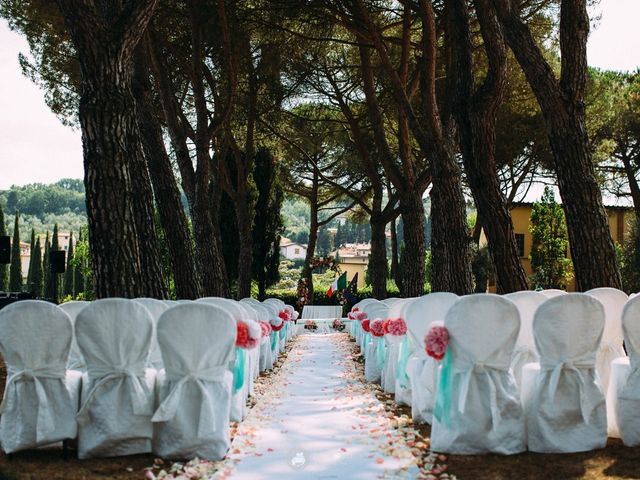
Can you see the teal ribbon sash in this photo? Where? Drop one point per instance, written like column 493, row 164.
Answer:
column 274, row 341
column 403, row 359
column 442, row 407
column 238, row 370
column 381, row 349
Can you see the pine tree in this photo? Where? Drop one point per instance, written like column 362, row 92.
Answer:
column 32, row 245
column 3, row 267
column 550, row 244
column 36, row 271
column 69, row 273
column 46, row 270
column 15, row 271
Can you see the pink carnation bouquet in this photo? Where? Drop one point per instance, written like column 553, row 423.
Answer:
column 436, row 341
column 284, row 315
column 360, row 316
column 249, row 334
column 377, row 327
column 266, row 328
column 396, row 326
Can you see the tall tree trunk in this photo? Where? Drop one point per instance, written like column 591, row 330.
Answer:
column 245, row 258
column 412, row 213
column 122, row 234
column 378, row 258
column 563, row 106
column 450, row 240
column 476, row 115
column 307, row 269
column 395, row 256
column 172, row 216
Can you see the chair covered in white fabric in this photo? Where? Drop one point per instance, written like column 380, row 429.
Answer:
column 613, row 301
column 372, row 364
column 267, row 358
column 41, row 396
column 422, row 370
column 362, row 305
column 527, row 302
column 478, row 407
column 564, row 404
column 552, row 292
column 76, row 362
column 194, row 390
column 114, row 336
column 391, row 300
column 156, row 308
column 623, row 396
column 242, row 391
column 393, row 346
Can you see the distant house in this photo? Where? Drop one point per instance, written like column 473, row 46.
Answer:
column 619, row 218
column 292, row 250
column 354, row 258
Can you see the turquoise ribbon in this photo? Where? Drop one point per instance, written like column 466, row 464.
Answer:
column 442, row 407
column 274, row 341
column 283, row 331
column 381, row 349
column 403, row 359
column 238, row 370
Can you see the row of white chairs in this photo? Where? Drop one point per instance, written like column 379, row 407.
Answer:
column 148, row 376
column 526, row 370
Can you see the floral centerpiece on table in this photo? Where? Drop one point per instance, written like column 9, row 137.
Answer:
column 310, row 325
column 338, row 325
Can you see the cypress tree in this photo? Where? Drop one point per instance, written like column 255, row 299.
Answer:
column 15, row 271
column 3, row 267
column 46, row 271
column 55, row 245
column 32, row 245
column 69, row 273
column 78, row 275
column 36, row 271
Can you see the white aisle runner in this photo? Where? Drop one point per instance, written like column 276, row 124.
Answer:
column 318, row 421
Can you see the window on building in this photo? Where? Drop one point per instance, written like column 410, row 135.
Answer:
column 296, row 251
column 520, row 244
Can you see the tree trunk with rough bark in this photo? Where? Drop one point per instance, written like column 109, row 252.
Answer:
column 245, row 259
column 172, row 216
column 475, row 110
column 412, row 212
column 395, row 257
column 378, row 258
column 563, row 106
column 121, row 229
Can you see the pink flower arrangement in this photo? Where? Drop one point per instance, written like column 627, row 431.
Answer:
column 365, row 325
column 284, row 315
column 377, row 327
column 436, row 342
column 246, row 337
column 266, row 328
column 360, row 316
column 396, row 326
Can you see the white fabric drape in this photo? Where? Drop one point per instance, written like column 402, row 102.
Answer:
column 484, row 414
column 114, row 336
column 73, row 308
column 195, row 390
column 40, row 398
column 565, row 406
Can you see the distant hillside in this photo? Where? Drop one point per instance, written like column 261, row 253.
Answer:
column 41, row 206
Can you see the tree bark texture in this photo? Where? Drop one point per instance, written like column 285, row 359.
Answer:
column 119, row 204
column 395, row 257
column 563, row 106
column 378, row 258
column 475, row 111
column 167, row 195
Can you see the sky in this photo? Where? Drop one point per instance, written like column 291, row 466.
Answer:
column 36, row 147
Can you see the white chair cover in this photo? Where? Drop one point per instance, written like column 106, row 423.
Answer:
column 552, row 292
column 41, row 396
column 624, row 389
column 613, row 301
column 267, row 358
column 114, row 336
column 391, row 301
column 156, row 309
column 194, row 391
column 76, row 362
column 372, row 367
column 527, row 303
column 393, row 343
column 484, row 414
column 240, row 396
column 422, row 370
column 565, row 407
